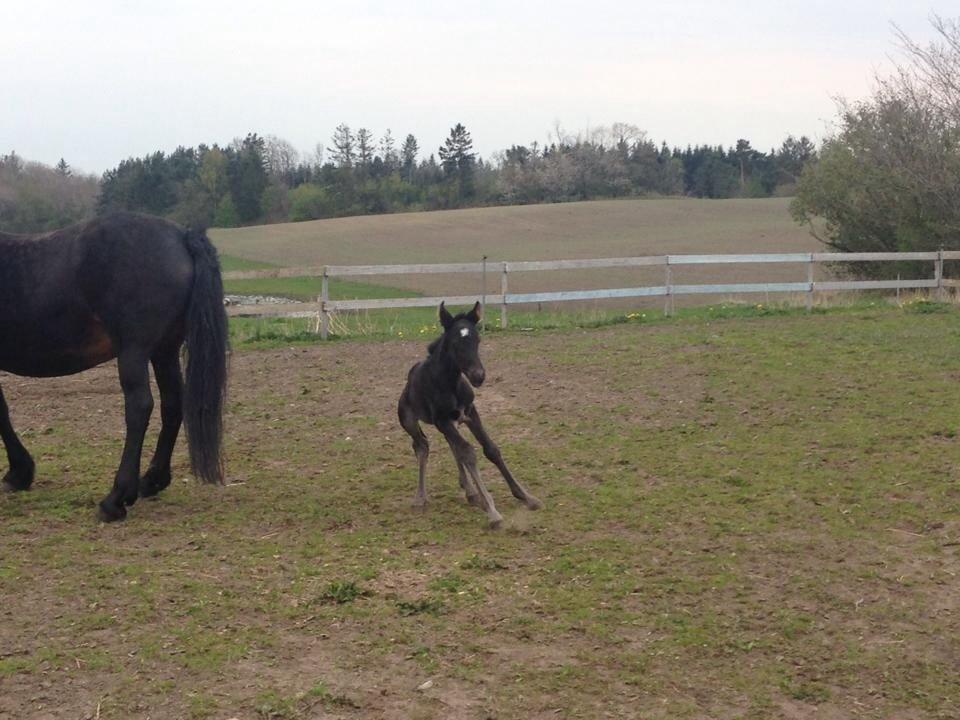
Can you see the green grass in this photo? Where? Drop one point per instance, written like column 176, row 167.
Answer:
column 302, row 288
column 750, row 513
column 230, row 263
column 414, row 323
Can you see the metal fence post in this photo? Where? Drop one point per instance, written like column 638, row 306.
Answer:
column 810, row 283
column 324, row 299
column 503, row 294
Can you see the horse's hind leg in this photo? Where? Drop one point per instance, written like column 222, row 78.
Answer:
column 468, row 487
column 138, row 404
column 492, row 453
column 166, row 369
column 421, row 447
column 20, row 474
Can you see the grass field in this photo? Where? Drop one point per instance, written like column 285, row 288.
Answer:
column 745, row 518
column 607, row 228
column 301, row 288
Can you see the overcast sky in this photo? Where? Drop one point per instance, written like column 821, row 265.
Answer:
column 98, row 81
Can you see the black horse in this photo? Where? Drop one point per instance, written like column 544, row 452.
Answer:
column 134, row 288
column 437, row 393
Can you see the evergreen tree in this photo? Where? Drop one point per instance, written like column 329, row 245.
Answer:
column 365, row 150
column 793, row 155
column 408, row 156
column 458, row 160
column 343, row 146
column 248, row 176
column 388, row 152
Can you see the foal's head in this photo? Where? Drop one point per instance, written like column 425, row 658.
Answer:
column 461, row 342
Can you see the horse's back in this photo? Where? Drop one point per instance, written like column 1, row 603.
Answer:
column 69, row 298
column 130, row 263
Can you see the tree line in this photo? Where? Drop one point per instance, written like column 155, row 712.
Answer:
column 260, row 179
column 35, row 197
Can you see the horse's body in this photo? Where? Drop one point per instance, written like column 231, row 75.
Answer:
column 130, row 287
column 439, row 392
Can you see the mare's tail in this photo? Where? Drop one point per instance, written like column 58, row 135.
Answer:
column 206, row 374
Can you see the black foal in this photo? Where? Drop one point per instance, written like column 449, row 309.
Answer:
column 438, row 393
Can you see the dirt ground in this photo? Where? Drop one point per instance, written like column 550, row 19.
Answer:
column 743, row 519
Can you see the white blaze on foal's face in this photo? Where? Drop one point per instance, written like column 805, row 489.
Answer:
column 464, row 332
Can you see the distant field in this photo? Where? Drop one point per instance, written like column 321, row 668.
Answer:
column 607, row 228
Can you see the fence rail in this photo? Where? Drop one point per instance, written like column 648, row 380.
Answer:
column 325, row 305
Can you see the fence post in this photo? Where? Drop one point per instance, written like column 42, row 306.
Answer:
column 668, row 297
column 503, row 293
column 938, row 274
column 810, row 283
column 483, row 297
column 324, row 299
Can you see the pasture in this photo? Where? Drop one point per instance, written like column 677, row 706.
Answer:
column 745, row 518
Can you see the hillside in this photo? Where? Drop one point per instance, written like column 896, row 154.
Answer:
column 606, row 228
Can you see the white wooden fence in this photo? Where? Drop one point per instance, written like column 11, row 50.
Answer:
column 668, row 290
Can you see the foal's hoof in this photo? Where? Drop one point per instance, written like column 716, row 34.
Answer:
column 474, row 500
column 532, row 503
column 108, row 512
column 496, row 521
column 419, row 504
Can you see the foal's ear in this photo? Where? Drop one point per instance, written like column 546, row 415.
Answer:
column 475, row 314
column 446, row 319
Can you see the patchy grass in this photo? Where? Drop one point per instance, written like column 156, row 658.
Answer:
column 341, row 592
column 749, row 514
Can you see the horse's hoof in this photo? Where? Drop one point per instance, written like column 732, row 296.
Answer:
column 16, row 481
column 496, row 522
column 153, row 483
column 473, row 500
column 110, row 513
column 533, row 503
column 419, row 504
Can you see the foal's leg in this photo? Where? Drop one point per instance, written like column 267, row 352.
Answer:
column 465, row 456
column 138, row 404
column 166, row 369
column 20, row 474
column 468, row 487
column 421, row 447
column 492, row 452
